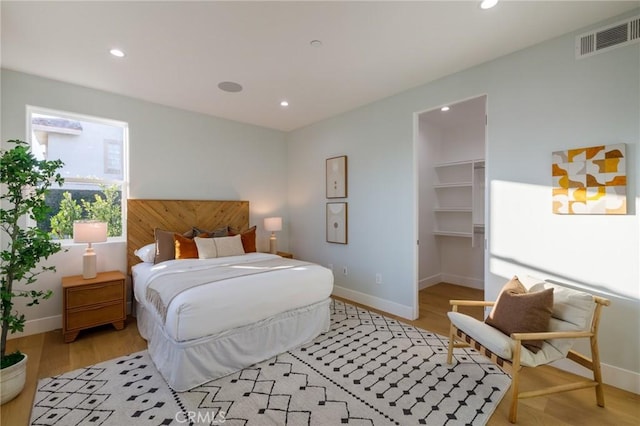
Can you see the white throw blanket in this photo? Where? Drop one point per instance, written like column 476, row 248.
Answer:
column 164, row 287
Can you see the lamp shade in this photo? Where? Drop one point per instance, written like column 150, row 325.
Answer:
column 89, row 231
column 273, row 224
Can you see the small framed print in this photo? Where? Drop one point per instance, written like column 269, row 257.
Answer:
column 337, row 223
column 336, row 174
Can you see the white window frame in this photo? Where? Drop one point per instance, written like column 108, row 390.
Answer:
column 124, row 195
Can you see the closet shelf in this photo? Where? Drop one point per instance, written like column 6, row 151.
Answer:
column 459, row 203
column 456, row 163
column 453, row 234
column 453, row 210
column 453, row 185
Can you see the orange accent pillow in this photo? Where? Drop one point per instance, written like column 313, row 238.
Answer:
column 248, row 238
column 186, row 248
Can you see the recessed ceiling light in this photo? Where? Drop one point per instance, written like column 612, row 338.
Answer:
column 488, row 4
column 284, row 104
column 230, row 86
column 445, row 109
column 315, row 43
column 117, row 52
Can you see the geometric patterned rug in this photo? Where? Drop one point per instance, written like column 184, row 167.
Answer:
column 366, row 370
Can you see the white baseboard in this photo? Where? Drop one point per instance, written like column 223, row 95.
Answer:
column 39, row 325
column 611, row 375
column 477, row 283
column 42, row 325
column 374, row 302
column 429, row 281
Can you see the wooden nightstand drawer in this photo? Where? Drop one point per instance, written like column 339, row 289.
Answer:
column 95, row 293
column 91, row 302
column 95, row 315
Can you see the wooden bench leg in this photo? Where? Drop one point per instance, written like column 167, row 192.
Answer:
column 515, row 382
column 452, row 333
column 597, row 372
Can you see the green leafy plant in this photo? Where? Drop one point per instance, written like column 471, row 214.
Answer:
column 25, row 182
column 62, row 222
column 104, row 209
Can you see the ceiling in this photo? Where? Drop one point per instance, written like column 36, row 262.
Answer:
column 177, row 52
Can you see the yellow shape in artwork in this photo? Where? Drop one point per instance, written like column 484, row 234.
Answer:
column 572, row 154
column 560, row 191
column 596, row 193
column 577, row 207
column 580, row 194
column 610, row 165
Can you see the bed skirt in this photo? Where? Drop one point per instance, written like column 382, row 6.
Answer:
column 185, row 365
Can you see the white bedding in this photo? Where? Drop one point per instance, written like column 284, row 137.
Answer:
column 199, row 312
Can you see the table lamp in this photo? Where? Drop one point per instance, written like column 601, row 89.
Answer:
column 89, row 231
column 273, row 224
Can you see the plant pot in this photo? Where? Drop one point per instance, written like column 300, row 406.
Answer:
column 12, row 380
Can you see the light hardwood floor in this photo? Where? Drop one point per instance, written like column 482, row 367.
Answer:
column 49, row 355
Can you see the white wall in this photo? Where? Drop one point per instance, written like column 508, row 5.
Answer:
column 174, row 154
column 378, row 140
column 539, row 100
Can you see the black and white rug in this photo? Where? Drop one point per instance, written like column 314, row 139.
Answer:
column 367, row 370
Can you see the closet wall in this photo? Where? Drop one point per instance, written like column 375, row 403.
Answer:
column 452, row 193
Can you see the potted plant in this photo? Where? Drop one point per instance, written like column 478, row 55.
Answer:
column 25, row 182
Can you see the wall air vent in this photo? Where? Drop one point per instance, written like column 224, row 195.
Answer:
column 603, row 39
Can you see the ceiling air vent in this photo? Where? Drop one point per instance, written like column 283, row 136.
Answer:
column 602, row 39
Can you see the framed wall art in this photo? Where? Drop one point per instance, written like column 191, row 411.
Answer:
column 590, row 180
column 337, row 223
column 336, row 175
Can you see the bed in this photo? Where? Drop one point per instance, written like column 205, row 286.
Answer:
column 207, row 318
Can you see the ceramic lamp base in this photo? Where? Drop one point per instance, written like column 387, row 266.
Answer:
column 89, row 264
column 273, row 244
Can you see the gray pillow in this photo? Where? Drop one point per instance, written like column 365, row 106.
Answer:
column 220, row 232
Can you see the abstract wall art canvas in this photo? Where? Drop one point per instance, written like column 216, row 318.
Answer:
column 337, row 223
column 336, row 175
column 590, row 180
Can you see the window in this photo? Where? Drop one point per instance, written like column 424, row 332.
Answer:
column 94, row 153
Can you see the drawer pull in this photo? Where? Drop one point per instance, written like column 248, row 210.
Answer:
column 95, row 287
column 93, row 308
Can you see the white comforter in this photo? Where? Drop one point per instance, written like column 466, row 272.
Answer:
column 222, row 305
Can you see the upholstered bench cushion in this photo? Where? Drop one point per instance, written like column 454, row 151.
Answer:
column 572, row 311
column 502, row 345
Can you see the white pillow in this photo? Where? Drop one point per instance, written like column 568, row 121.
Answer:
column 206, row 248
column 229, row 246
column 147, row 253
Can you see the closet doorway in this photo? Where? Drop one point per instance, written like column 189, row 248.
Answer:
column 450, row 149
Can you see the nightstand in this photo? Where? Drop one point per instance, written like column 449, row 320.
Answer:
column 92, row 302
column 285, row 254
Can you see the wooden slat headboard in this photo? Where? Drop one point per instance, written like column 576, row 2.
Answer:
column 143, row 216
